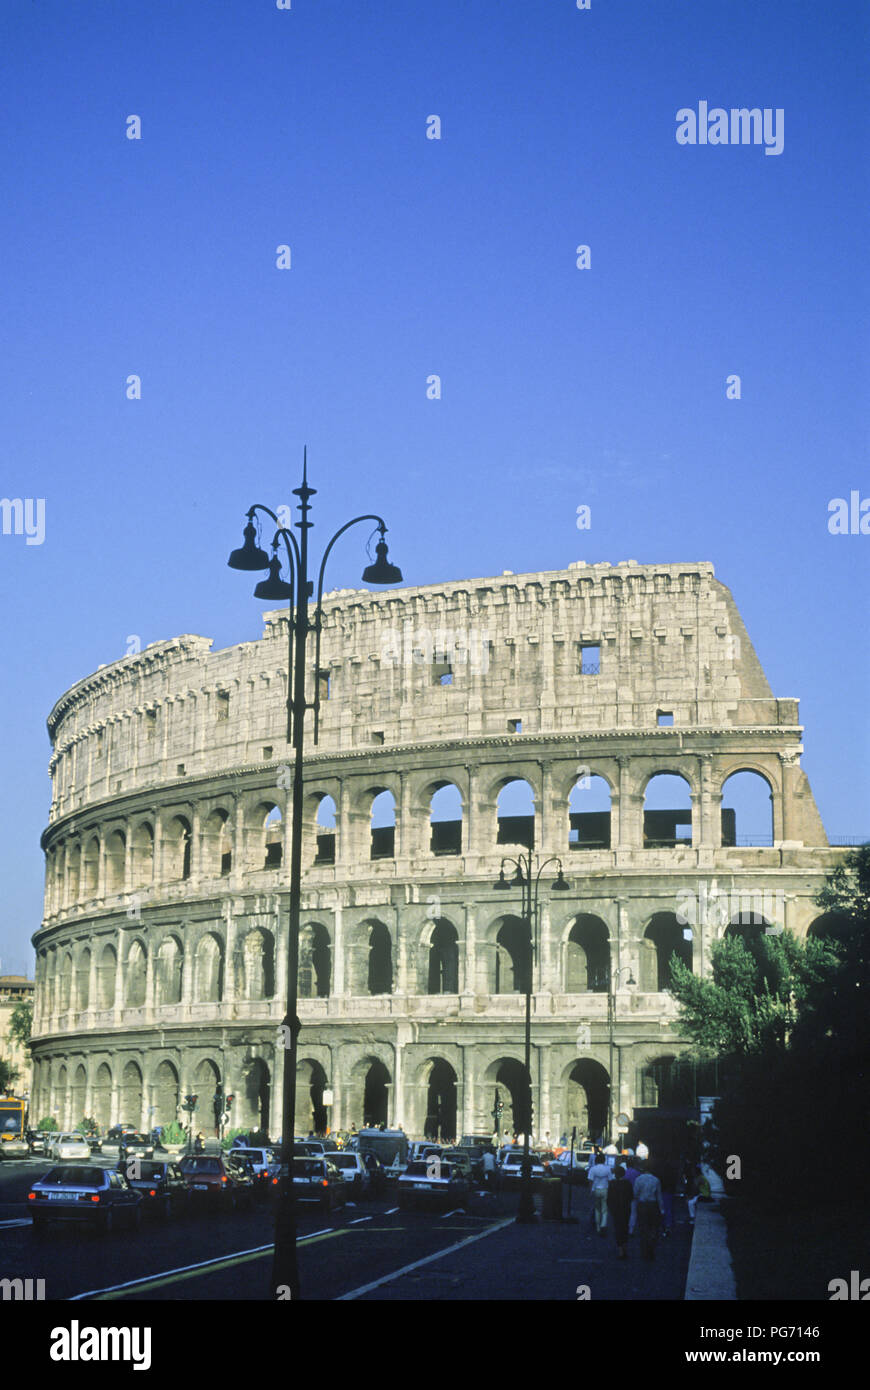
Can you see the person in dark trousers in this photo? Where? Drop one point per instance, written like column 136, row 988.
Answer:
column 619, row 1199
column 650, row 1208
column 667, row 1171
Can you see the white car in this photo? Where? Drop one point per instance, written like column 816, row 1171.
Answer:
column 69, row 1146
column 512, row 1167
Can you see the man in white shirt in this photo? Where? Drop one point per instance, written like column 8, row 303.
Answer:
column 599, row 1176
column 650, row 1210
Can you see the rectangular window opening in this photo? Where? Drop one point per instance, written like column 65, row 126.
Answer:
column 664, row 718
column 324, row 681
column 377, row 736
column 515, row 726
column 590, row 658
column 267, row 751
column 222, row 704
column 179, row 771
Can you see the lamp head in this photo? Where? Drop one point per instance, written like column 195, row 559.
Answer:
column 502, row 881
column 561, row 885
column 274, row 587
column 249, row 556
column 382, row 572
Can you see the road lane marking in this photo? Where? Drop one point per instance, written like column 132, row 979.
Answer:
column 172, row 1276
column 457, row 1211
column 439, row 1255
column 391, row 1211
column 19, row 1221
column 359, row 1219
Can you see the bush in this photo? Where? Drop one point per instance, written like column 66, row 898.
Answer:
column 173, row 1133
column 231, row 1134
column 50, row 1124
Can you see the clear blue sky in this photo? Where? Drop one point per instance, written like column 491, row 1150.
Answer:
column 410, row 257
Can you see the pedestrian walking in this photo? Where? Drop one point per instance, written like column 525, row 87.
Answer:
column 650, row 1209
column 599, row 1177
column 667, row 1172
column 632, row 1173
column 489, row 1170
column 619, row 1199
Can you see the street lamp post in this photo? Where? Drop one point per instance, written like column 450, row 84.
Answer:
column 299, row 590
column 613, row 986
column 528, row 881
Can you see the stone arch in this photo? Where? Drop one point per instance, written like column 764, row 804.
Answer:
column 440, row 943
column 209, row 969
column 264, row 836
column 311, row 1082
column 258, row 964
column 747, row 801
column 142, row 854
column 587, row 956
column 383, row 824
column 663, row 938
column 586, row 1099
column 445, row 819
column 589, row 812
column 667, row 810
column 380, row 959
column 135, row 975
column 217, row 844
column 61, row 1096
column 78, row 1093
column 91, row 868
column 252, row 1107
column 315, row 961
column 83, row 979
column 747, row 926
column 107, row 972
column 116, row 861
column 507, row 1082
column 511, row 958
column 130, row 1094
column 666, row 1081
column 166, row 1092
column 832, row 927
column 515, row 813
column 65, row 965
column 177, row 850
column 325, row 813
column 169, row 972
column 73, row 872
column 206, row 1079
column 102, row 1096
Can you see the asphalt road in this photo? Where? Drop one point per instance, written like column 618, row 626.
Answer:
column 369, row 1251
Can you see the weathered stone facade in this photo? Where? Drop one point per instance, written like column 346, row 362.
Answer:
column 161, row 960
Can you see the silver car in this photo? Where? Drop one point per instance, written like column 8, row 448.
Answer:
column 65, row 1146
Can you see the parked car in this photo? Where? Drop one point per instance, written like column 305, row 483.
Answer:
column 512, row 1167
column 87, row 1193
column 425, row 1184
column 315, row 1180
column 16, row 1146
column 162, row 1188
column 356, row 1174
column 208, row 1179
column 64, row 1146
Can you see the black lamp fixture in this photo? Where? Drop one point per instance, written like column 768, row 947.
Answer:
column 274, row 587
column 561, row 884
column 249, row 556
column 382, row 572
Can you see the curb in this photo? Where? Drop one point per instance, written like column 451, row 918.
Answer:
column 710, row 1274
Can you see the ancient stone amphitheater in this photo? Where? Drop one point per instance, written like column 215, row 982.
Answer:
column 461, row 724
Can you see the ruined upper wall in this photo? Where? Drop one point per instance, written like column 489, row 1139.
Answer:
column 670, row 639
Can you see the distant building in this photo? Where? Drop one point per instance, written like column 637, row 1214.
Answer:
column 15, row 989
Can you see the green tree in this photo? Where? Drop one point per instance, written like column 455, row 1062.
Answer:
column 49, row 1124
column 21, row 1022
column 8, row 1075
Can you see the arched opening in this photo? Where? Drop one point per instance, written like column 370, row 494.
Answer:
column 217, row 845
column 510, row 1096
column 102, row 1101
column 73, row 869
column 515, row 812
column 376, row 1102
column 258, row 969
column 130, row 1098
column 663, row 939
column 176, row 850
column 512, row 957
column 747, row 926
column 380, row 960
column 383, row 826
column 107, row 971
column 315, row 960
column 116, row 856
column 135, row 976
column 325, row 831
column 91, row 868
column 83, row 979
column 667, row 1083
column 441, row 1102
column 587, row 1097
column 445, row 820
column 168, row 982
column 209, row 970
column 62, row 1098
column 667, row 812
column 206, row 1080
column 833, row 927
column 589, row 813
column 78, row 1092
column 273, row 840
column 142, row 850
column 66, row 974
column 587, row 956
column 443, row 974
column 256, row 1098
column 310, row 1085
column 747, row 809
column 166, row 1094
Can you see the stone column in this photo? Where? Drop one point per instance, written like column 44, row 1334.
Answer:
column 149, row 979
column 282, row 947
column 230, row 956
column 627, row 836
column 101, row 868
column 407, row 830
column 337, row 982
column 119, row 980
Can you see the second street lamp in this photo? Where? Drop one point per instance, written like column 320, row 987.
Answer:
column 529, row 881
column 298, row 590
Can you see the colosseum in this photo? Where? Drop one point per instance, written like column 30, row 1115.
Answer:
column 595, row 714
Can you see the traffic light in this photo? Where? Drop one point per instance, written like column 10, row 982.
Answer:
column 218, row 1101
column 190, row 1104
column 228, row 1103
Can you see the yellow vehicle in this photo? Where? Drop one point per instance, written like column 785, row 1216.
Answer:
column 13, row 1113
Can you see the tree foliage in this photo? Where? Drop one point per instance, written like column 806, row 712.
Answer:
column 21, row 1022
column 8, row 1075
